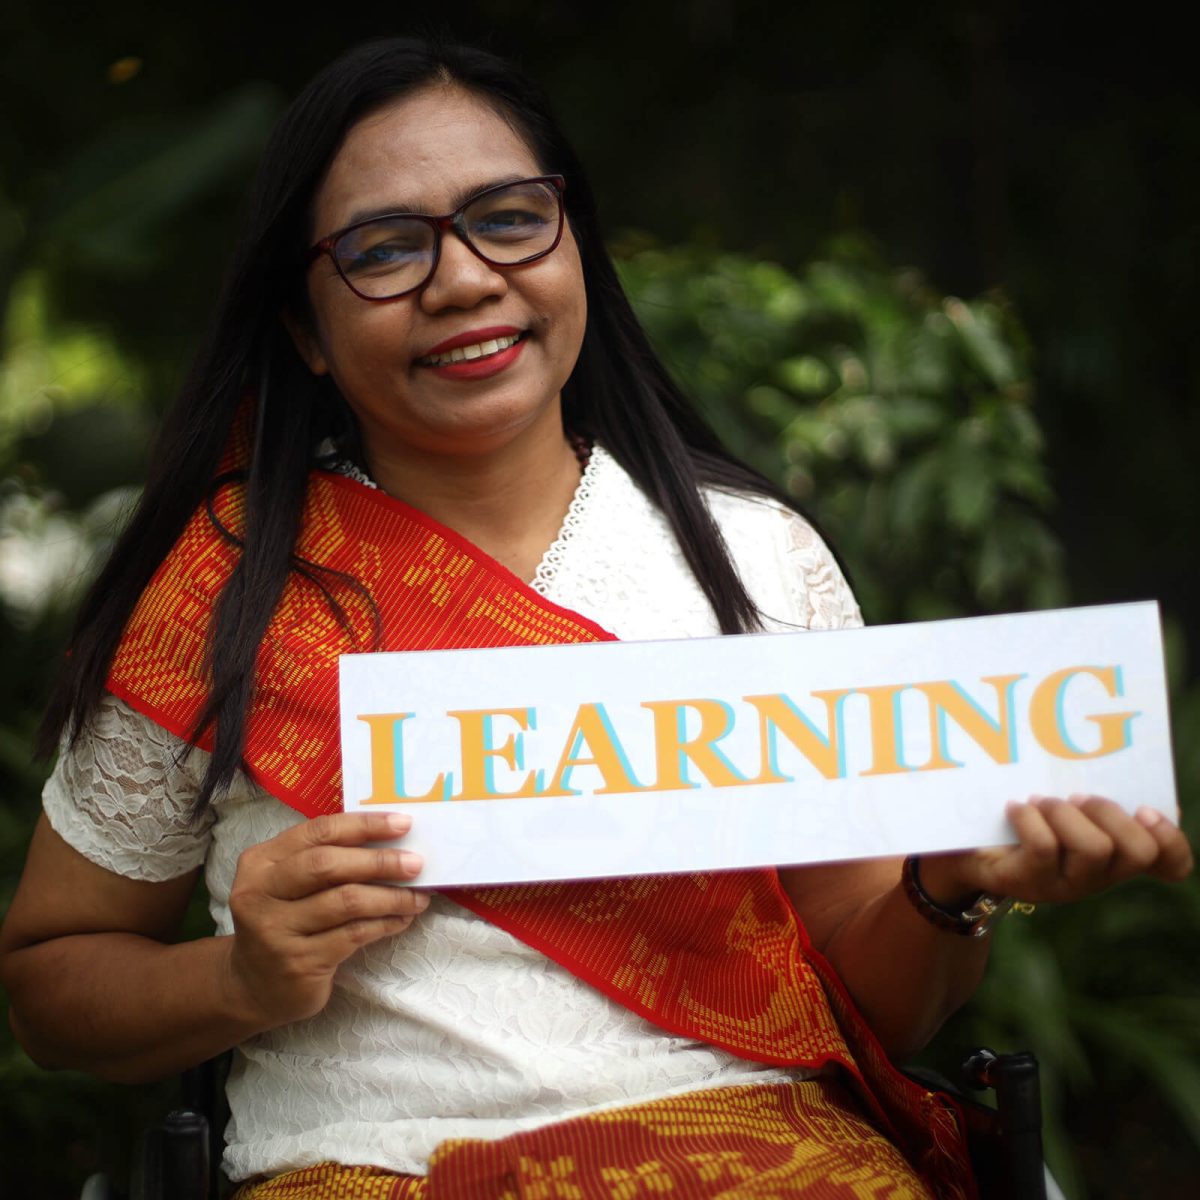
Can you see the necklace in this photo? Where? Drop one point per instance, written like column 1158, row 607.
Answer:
column 582, row 448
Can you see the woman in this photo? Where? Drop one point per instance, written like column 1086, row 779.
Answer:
column 393, row 401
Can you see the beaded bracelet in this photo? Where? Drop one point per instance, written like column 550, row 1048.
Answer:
column 973, row 919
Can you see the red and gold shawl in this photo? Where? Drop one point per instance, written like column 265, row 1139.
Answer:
column 720, row 957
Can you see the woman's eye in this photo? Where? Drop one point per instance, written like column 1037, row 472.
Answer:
column 382, row 255
column 509, row 222
column 383, row 246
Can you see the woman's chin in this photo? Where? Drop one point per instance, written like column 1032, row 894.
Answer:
column 473, row 431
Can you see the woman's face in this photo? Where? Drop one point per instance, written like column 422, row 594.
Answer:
column 427, row 153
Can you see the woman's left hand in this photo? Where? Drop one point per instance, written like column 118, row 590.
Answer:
column 1067, row 849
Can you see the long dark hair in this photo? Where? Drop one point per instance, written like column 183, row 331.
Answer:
column 619, row 394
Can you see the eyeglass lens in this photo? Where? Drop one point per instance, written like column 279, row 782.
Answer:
column 508, row 225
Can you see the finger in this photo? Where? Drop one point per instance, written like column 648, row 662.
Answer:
column 1035, row 859
column 1086, row 850
column 1135, row 848
column 1175, row 860
column 336, row 945
column 340, row 829
column 322, row 867
column 1017, row 870
column 354, row 903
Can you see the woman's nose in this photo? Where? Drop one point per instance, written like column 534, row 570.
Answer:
column 462, row 279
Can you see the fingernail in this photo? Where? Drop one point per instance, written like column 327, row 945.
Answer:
column 400, row 822
column 420, row 901
column 411, row 862
column 1149, row 817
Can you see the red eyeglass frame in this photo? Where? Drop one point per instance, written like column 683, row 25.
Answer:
column 452, row 221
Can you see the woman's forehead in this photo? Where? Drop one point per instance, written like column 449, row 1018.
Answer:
column 425, row 152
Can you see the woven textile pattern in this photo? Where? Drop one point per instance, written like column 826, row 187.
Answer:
column 766, row 1143
column 447, row 596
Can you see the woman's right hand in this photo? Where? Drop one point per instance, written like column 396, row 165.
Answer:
column 305, row 900
column 141, row 1005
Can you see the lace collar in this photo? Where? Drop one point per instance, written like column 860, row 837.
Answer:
column 599, row 462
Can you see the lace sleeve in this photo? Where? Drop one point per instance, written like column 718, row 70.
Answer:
column 122, row 797
column 821, row 597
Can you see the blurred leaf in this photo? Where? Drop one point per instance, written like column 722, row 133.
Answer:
column 969, row 491
column 49, row 368
column 901, row 417
column 134, row 180
column 983, row 341
column 1151, row 1051
column 88, row 452
column 806, row 374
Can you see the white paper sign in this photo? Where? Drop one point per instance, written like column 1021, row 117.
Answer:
column 628, row 758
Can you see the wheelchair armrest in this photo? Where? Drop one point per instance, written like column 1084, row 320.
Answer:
column 1014, row 1079
column 174, row 1160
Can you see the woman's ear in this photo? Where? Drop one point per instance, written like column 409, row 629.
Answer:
column 305, row 339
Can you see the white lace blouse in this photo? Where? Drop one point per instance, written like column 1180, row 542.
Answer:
column 454, row 1028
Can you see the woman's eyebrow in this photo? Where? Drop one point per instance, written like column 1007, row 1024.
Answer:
column 457, row 200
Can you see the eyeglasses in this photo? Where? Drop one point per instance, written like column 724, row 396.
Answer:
column 388, row 257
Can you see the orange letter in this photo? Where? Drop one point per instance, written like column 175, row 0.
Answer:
column 997, row 737
column 593, row 729
column 478, row 750
column 387, row 763
column 825, row 752
column 1048, row 724
column 673, row 747
column 886, row 730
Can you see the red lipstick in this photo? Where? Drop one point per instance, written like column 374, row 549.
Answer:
column 475, row 368
column 470, row 338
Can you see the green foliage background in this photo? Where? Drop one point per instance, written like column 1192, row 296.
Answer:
column 905, row 420
column 769, row 178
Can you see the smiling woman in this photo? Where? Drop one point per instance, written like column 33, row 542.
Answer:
column 474, row 364
column 426, row 417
